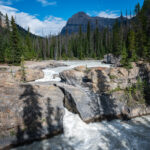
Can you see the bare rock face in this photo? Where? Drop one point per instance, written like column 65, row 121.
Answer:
column 80, row 68
column 72, row 76
column 29, row 112
column 111, row 59
column 105, row 93
column 6, row 78
column 77, row 101
column 30, row 75
column 15, row 75
column 82, row 19
column 33, row 111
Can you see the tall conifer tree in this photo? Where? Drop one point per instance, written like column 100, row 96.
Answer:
column 15, row 43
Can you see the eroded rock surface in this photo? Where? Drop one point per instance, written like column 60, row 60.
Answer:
column 32, row 71
column 34, row 111
column 29, row 112
column 108, row 92
column 30, row 75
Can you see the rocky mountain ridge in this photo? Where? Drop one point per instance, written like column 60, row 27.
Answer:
column 82, row 19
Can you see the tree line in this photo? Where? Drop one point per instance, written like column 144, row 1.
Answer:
column 129, row 38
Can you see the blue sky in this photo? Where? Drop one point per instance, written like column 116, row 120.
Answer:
column 49, row 16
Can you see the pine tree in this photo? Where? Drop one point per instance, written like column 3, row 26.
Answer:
column 80, row 42
column 1, row 50
column 148, row 50
column 7, row 23
column 131, row 46
column 89, row 39
column 124, row 56
column 139, row 40
column 0, row 19
column 96, row 41
column 137, row 9
column 23, row 74
column 29, row 52
column 15, row 43
column 8, row 55
column 117, row 39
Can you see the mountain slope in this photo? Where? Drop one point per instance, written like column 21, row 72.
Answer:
column 21, row 30
column 82, row 19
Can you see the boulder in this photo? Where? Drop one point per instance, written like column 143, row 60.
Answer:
column 111, row 59
column 77, row 101
column 29, row 112
column 80, row 68
column 72, row 76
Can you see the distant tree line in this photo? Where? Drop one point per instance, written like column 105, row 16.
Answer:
column 129, row 38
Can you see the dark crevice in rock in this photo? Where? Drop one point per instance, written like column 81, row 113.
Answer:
column 68, row 100
column 86, row 79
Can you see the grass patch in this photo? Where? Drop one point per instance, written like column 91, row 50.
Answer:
column 12, row 133
column 115, row 90
column 112, row 77
column 135, row 93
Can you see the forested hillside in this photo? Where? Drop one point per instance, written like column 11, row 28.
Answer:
column 129, row 38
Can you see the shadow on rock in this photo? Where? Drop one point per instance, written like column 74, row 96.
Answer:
column 32, row 115
column 144, row 75
column 53, row 119
column 105, row 106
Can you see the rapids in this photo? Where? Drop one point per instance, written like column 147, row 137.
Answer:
column 114, row 135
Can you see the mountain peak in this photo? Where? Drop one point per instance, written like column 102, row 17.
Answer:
column 81, row 19
column 80, row 14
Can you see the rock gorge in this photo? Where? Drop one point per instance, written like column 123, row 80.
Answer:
column 32, row 111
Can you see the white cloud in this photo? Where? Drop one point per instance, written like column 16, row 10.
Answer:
column 108, row 14
column 46, row 2
column 7, row 2
column 50, row 25
column 88, row 14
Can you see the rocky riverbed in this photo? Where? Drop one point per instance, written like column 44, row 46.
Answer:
column 36, row 110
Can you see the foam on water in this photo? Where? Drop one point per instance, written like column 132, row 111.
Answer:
column 52, row 74
column 114, row 135
column 134, row 134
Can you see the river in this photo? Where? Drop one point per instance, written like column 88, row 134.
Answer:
column 113, row 135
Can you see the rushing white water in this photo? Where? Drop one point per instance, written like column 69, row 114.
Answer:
column 52, row 74
column 114, row 135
